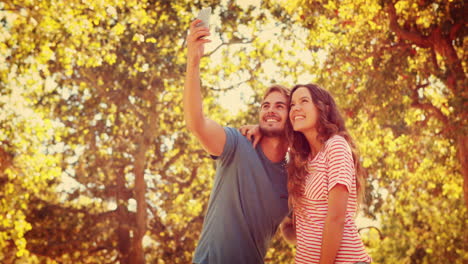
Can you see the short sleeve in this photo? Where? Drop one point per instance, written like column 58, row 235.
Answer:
column 230, row 145
column 340, row 163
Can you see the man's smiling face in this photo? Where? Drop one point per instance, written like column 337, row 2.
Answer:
column 273, row 114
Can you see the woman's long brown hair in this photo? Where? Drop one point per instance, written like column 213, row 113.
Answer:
column 330, row 123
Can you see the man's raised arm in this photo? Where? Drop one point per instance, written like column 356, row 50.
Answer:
column 210, row 134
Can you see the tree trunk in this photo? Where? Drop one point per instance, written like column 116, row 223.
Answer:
column 123, row 236
column 149, row 128
column 123, row 230
column 138, row 256
column 463, row 158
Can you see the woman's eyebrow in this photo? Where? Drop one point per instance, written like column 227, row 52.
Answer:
column 305, row 96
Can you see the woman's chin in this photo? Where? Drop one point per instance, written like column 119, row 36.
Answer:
column 297, row 129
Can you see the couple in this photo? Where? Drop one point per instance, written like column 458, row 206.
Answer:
column 250, row 197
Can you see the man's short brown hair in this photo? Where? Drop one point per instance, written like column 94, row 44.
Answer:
column 277, row 88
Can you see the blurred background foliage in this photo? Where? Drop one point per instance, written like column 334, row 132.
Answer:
column 98, row 167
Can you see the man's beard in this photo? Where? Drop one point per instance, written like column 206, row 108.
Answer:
column 273, row 132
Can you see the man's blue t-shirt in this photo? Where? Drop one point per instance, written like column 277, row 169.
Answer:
column 248, row 201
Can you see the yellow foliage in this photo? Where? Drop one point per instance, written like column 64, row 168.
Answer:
column 118, row 29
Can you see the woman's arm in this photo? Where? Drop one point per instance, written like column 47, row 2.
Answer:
column 252, row 133
column 334, row 224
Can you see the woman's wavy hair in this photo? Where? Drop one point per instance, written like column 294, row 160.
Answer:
column 330, row 123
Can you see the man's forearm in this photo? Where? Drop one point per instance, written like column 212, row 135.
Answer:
column 193, row 109
column 209, row 133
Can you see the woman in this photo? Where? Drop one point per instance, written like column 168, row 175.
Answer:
column 325, row 181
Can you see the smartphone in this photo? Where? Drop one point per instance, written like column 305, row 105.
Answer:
column 204, row 16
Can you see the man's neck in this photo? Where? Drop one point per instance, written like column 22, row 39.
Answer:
column 275, row 148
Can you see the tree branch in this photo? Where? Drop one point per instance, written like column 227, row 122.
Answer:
column 228, row 44
column 231, row 42
column 172, row 160
column 428, row 107
column 437, row 42
column 230, row 87
column 454, row 30
column 434, row 59
column 186, row 183
column 381, row 236
column 156, row 224
column 412, row 36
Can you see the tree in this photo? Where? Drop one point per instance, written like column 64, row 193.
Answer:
column 398, row 70
column 26, row 169
column 104, row 81
column 106, row 64
column 112, row 76
column 417, row 47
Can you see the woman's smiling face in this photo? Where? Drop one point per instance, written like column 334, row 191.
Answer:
column 303, row 113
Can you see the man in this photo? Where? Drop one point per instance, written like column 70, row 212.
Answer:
column 249, row 197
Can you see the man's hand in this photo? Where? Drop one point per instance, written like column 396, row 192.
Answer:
column 252, row 133
column 288, row 230
column 196, row 41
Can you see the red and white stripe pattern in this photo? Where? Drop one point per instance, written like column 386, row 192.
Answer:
column 331, row 166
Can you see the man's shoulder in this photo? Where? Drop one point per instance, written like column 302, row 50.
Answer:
column 235, row 142
column 239, row 141
column 234, row 133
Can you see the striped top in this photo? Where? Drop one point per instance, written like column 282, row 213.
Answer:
column 331, row 166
